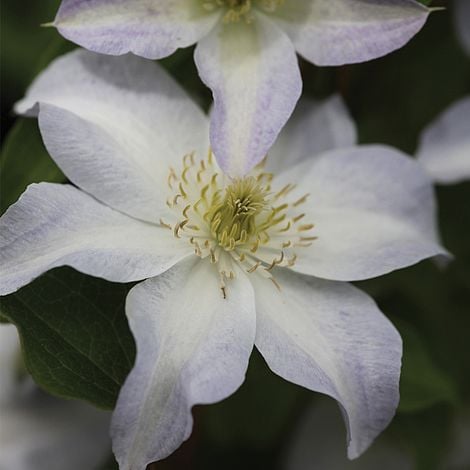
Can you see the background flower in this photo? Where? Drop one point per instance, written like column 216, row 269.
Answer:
column 40, row 432
column 444, row 148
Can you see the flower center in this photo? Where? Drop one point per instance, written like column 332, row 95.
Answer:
column 241, row 221
column 233, row 218
column 237, row 10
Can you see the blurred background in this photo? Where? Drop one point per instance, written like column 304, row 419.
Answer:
column 269, row 423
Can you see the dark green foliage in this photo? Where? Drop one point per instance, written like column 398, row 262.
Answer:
column 75, row 337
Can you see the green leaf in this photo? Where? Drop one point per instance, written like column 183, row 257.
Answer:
column 74, row 333
column 422, row 383
column 24, row 160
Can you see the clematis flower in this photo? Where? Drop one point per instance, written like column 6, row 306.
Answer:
column 40, row 432
column 230, row 262
column 246, row 51
column 444, row 147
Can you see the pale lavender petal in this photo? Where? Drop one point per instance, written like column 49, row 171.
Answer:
column 193, row 347
column 374, row 211
column 55, row 225
column 444, row 148
column 336, row 32
column 315, row 127
column 254, row 76
column 115, row 125
column 149, row 28
column 331, row 338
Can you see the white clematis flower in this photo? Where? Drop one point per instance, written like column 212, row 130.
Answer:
column 226, row 258
column 444, row 147
column 246, row 51
column 40, row 432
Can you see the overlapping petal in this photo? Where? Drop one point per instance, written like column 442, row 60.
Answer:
column 444, row 148
column 114, row 126
column 373, row 209
column 253, row 73
column 314, row 127
column 55, row 225
column 148, row 28
column 193, row 347
column 331, row 338
column 336, row 32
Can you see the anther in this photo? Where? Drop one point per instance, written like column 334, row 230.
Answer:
column 185, row 211
column 301, row 200
column 164, row 224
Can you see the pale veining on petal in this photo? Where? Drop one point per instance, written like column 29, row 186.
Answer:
column 238, row 220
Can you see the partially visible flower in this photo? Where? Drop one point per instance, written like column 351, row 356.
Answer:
column 246, row 51
column 231, row 262
column 40, row 432
column 462, row 21
column 444, row 147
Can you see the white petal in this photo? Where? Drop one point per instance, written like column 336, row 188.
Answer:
column 192, row 347
column 374, row 211
column 462, row 20
column 55, row 225
column 253, row 72
column 331, row 338
column 444, row 148
column 45, row 433
column 336, row 32
column 318, row 444
column 114, row 126
column 315, row 127
column 148, row 28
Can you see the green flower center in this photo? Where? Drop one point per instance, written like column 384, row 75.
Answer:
column 233, row 219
